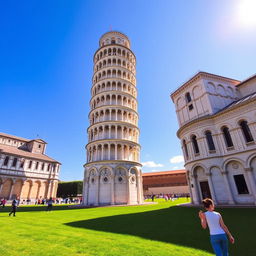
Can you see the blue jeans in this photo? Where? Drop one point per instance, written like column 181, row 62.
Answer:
column 220, row 244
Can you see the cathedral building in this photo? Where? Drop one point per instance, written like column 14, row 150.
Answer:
column 113, row 171
column 25, row 171
column 217, row 130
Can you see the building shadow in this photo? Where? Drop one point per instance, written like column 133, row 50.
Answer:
column 170, row 225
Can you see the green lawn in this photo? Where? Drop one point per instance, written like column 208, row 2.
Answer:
column 161, row 229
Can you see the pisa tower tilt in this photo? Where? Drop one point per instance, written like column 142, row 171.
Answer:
column 113, row 171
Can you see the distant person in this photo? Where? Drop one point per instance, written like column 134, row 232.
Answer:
column 218, row 230
column 3, row 202
column 14, row 207
column 153, row 197
column 49, row 204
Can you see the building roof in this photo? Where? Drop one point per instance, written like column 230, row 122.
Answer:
column 238, row 102
column 20, row 138
column 23, row 153
column 247, row 80
column 183, row 171
column 13, row 137
column 204, row 74
column 115, row 32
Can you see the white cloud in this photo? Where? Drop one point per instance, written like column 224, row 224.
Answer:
column 177, row 159
column 151, row 164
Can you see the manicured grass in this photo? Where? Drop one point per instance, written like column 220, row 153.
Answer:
column 160, row 229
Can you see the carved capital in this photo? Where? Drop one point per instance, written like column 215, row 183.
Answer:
column 249, row 169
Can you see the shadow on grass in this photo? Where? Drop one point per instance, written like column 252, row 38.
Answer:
column 39, row 208
column 174, row 225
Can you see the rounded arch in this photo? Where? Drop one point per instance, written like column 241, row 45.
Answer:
column 249, row 160
column 233, row 159
column 196, row 165
column 123, row 168
column 90, row 170
column 106, row 167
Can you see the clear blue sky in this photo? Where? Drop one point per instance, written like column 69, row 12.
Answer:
column 46, row 52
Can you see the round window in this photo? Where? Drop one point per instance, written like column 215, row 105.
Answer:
column 105, row 179
column 120, row 179
column 92, row 180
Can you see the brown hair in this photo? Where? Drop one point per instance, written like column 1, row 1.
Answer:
column 207, row 202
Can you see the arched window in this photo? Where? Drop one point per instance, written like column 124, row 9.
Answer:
column 188, row 97
column 14, row 163
column 227, row 137
column 188, row 100
column 6, row 160
column 209, row 140
column 185, row 148
column 195, row 144
column 246, row 131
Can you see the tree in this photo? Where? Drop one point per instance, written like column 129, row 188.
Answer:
column 70, row 189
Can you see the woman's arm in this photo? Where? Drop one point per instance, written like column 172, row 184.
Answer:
column 225, row 228
column 203, row 220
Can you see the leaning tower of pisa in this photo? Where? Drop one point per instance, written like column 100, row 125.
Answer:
column 113, row 171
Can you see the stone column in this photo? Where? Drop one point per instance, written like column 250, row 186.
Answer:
column 109, row 151
column 97, row 153
column 209, row 177
column 252, row 185
column 112, row 177
column 230, row 196
column 122, row 151
column 86, row 188
column 38, row 190
column 22, row 185
column 10, row 194
column 29, row 191
column 115, row 151
column 128, row 152
column 189, row 186
column 196, row 191
column 52, row 188
column 139, row 196
column 97, row 191
column 128, row 190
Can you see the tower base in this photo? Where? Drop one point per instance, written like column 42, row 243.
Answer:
column 112, row 183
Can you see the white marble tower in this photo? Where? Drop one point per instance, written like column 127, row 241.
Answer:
column 113, row 171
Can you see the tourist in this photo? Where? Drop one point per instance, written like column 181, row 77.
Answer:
column 218, row 230
column 153, row 197
column 49, row 206
column 14, row 207
column 3, row 202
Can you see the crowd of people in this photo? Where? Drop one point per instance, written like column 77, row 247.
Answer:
column 48, row 202
column 167, row 197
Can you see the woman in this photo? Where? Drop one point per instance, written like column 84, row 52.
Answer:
column 218, row 230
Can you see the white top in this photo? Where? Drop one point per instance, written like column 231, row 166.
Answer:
column 213, row 221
